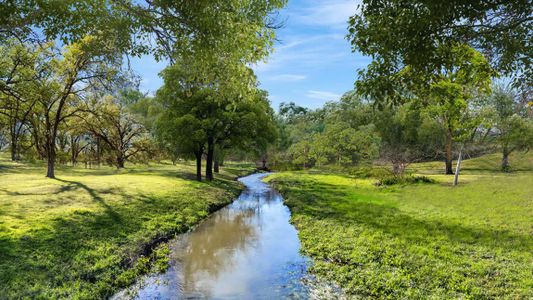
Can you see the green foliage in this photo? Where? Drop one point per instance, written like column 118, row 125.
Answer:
column 428, row 241
column 466, row 75
column 400, row 32
column 341, row 133
column 92, row 231
column 515, row 129
column 243, row 29
column 402, row 143
column 194, row 112
column 110, row 120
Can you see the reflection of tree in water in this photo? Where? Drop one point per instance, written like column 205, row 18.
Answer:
column 214, row 247
column 216, row 259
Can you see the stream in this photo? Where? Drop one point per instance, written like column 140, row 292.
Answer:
column 247, row 250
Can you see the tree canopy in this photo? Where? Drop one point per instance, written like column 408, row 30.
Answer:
column 404, row 32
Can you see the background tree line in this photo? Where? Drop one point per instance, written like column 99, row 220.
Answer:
column 67, row 106
column 65, row 94
column 353, row 131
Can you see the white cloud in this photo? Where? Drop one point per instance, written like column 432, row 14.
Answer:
column 298, row 40
column 287, row 77
column 331, row 13
column 304, row 52
column 323, row 95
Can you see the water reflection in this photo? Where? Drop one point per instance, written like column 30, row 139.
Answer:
column 248, row 250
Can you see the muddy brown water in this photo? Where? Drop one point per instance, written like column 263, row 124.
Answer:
column 247, row 250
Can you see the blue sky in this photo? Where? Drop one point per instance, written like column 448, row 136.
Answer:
column 312, row 63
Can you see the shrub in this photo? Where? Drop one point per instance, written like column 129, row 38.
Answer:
column 370, row 172
column 406, row 179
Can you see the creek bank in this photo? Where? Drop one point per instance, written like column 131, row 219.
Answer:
column 417, row 240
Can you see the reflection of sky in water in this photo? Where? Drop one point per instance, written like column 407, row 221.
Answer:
column 248, row 250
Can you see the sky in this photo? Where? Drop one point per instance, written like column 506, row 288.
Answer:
column 312, row 62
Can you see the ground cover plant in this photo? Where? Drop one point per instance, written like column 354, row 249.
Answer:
column 425, row 240
column 90, row 231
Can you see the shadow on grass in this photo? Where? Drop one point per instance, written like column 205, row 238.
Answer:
column 94, row 195
column 324, row 201
column 93, row 248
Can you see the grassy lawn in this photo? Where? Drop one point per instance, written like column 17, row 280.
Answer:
column 91, row 231
column 423, row 240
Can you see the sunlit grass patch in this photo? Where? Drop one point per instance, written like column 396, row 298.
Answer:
column 490, row 163
column 421, row 240
column 91, row 231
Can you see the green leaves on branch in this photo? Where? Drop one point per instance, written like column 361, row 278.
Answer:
column 167, row 28
column 397, row 33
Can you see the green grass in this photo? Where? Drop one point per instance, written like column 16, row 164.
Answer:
column 422, row 241
column 89, row 232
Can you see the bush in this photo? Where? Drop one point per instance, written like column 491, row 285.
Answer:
column 406, row 179
column 370, row 172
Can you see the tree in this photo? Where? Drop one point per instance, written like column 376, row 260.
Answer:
column 464, row 75
column 180, row 126
column 401, row 143
column 217, row 118
column 350, row 145
column 60, row 88
column 110, row 120
column 18, row 69
column 320, row 149
column 397, row 33
column 290, row 111
column 200, row 29
column 513, row 127
column 301, row 153
column 249, row 127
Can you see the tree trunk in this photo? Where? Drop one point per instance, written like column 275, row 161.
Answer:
column 14, row 137
column 449, row 154
column 506, row 167
column 458, row 167
column 198, row 156
column 50, row 171
column 98, row 152
column 73, row 150
column 37, row 142
column 216, row 166
column 120, row 162
column 14, row 155
column 51, row 159
column 264, row 162
column 398, row 168
column 50, row 146
column 209, row 159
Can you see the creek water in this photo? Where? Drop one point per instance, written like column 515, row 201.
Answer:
column 247, row 250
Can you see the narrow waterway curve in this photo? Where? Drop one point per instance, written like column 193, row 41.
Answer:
column 247, row 250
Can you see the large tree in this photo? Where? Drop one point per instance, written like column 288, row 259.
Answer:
column 167, row 28
column 203, row 115
column 398, row 128
column 179, row 127
column 60, row 88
